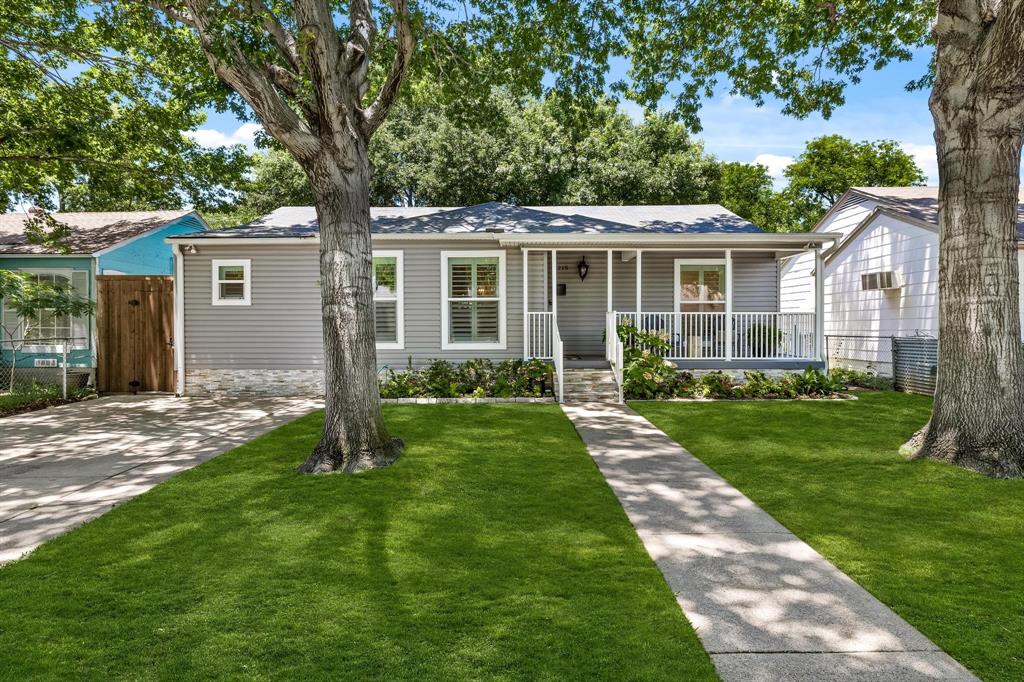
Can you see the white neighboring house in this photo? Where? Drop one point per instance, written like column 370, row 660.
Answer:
column 881, row 277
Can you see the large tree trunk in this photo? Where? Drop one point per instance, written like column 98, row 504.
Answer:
column 978, row 416
column 354, row 436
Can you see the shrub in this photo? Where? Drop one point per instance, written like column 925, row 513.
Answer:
column 407, row 384
column 861, row 379
column 477, row 378
column 647, row 376
column 714, row 385
column 441, row 380
column 476, row 375
column 813, row 383
column 683, row 385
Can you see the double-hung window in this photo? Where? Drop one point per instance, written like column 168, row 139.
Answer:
column 232, row 282
column 473, row 299
column 388, row 299
column 700, row 286
column 45, row 330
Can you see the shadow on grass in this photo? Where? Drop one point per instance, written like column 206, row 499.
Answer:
column 491, row 549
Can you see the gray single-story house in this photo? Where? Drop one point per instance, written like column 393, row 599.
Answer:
column 493, row 281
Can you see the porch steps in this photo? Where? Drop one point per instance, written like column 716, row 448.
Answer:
column 589, row 386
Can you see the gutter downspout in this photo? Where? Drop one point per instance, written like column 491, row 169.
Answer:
column 179, row 319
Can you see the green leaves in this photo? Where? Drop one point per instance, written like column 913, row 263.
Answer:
column 832, row 164
column 25, row 295
column 94, row 109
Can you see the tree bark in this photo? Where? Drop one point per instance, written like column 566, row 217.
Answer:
column 354, row 436
column 978, row 416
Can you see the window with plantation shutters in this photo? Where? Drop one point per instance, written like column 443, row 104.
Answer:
column 388, row 295
column 474, row 305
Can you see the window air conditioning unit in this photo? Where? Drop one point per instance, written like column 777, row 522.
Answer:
column 873, row 281
column 45, row 362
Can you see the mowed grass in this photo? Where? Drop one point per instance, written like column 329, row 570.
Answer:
column 492, row 550
column 943, row 547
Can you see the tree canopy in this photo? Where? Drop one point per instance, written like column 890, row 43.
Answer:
column 87, row 125
column 832, row 164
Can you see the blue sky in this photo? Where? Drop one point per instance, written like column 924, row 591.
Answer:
column 736, row 130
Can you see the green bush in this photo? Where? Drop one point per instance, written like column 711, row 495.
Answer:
column 716, row 385
column 861, row 379
column 476, row 378
column 647, row 376
column 812, row 383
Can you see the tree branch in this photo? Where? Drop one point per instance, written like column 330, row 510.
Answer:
column 374, row 115
column 282, row 37
column 233, row 67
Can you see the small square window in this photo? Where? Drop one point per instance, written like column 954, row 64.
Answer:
column 232, row 284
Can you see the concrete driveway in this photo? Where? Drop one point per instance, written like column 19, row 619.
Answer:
column 63, row 466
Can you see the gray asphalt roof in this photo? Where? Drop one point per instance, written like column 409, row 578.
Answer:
column 90, row 231
column 922, row 203
column 300, row 221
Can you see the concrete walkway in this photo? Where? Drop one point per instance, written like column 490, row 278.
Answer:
column 765, row 605
column 66, row 465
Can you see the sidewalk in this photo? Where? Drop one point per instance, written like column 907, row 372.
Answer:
column 765, row 605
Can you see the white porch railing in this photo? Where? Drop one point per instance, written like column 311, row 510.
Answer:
column 538, row 335
column 706, row 335
column 543, row 341
column 557, row 359
column 613, row 350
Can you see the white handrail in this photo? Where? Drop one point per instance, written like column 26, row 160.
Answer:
column 613, row 351
column 556, row 352
column 538, row 335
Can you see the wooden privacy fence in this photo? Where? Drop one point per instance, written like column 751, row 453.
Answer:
column 134, row 333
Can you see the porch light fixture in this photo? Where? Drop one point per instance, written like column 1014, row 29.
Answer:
column 191, row 249
column 582, row 268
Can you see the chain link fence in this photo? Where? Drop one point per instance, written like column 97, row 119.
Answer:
column 910, row 361
column 46, row 360
column 864, row 353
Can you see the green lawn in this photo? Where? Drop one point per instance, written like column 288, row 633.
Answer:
column 492, row 550
column 943, row 547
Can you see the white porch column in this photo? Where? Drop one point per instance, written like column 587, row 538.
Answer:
column 639, row 285
column 554, row 285
column 819, row 304
column 609, row 308
column 728, row 304
column 526, row 304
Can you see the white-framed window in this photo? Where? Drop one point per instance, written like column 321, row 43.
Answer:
column 389, row 298
column 232, row 281
column 46, row 331
column 700, row 285
column 473, row 299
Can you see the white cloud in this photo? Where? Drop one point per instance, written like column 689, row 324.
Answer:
column 775, row 163
column 924, row 155
column 245, row 134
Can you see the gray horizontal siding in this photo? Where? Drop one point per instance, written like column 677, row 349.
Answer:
column 282, row 328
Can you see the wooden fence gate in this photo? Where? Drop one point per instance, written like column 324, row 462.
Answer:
column 134, row 333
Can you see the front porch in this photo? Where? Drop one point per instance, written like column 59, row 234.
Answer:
column 714, row 308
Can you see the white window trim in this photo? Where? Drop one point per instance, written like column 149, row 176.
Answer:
column 246, row 265
column 40, row 348
column 676, row 300
column 445, row 300
column 399, row 257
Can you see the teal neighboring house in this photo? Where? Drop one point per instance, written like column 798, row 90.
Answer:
column 100, row 243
